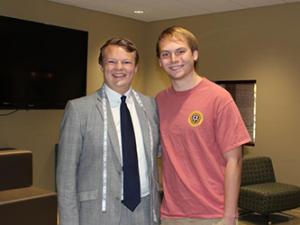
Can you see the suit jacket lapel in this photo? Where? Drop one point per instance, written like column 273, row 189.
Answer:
column 112, row 132
column 144, row 128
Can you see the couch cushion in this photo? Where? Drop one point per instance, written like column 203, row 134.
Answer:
column 269, row 197
column 257, row 170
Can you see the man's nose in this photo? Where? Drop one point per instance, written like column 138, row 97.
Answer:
column 173, row 57
column 119, row 65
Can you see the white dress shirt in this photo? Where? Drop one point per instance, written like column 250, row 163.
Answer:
column 114, row 99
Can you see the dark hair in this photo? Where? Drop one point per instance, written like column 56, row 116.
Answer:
column 180, row 33
column 122, row 42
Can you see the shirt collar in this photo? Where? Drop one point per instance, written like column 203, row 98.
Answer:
column 114, row 97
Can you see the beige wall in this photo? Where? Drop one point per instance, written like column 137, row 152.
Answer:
column 37, row 130
column 261, row 44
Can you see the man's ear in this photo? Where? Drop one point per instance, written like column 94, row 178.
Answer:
column 101, row 68
column 195, row 55
column 159, row 62
column 136, row 69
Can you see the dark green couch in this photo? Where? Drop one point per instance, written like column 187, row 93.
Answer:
column 261, row 193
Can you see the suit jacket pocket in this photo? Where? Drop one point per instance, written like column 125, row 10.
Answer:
column 88, row 195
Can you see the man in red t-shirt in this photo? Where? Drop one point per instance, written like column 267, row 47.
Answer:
column 202, row 133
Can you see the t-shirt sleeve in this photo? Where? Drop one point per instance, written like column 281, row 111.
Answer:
column 231, row 131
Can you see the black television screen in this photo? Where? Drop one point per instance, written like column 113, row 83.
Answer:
column 41, row 66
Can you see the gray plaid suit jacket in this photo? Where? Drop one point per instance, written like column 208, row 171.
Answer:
column 80, row 161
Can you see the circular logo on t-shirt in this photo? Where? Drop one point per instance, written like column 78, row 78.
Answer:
column 195, row 118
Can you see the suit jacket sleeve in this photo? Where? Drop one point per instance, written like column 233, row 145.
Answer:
column 70, row 143
column 155, row 117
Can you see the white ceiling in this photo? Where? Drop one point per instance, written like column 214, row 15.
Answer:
column 167, row 9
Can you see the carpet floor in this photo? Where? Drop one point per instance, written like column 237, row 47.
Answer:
column 290, row 217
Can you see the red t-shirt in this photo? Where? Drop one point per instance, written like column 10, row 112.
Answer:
column 197, row 127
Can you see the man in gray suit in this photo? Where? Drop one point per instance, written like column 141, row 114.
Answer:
column 89, row 171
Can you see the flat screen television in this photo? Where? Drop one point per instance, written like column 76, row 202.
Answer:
column 41, row 66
